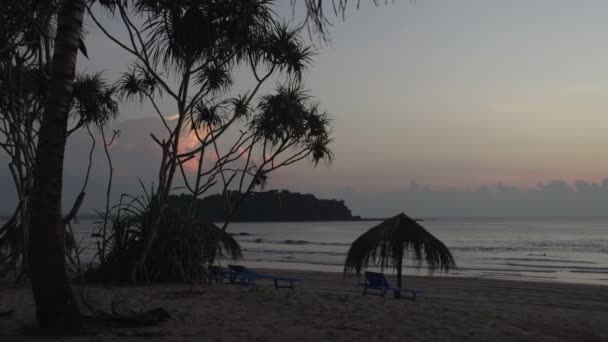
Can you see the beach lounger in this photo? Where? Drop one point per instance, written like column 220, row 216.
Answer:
column 242, row 275
column 377, row 281
column 218, row 274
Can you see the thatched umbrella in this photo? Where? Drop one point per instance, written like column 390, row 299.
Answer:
column 386, row 243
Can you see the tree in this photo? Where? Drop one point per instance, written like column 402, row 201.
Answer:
column 56, row 308
column 24, row 75
column 57, row 311
column 199, row 44
column 24, row 57
column 316, row 19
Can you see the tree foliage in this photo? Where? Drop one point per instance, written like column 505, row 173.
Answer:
column 182, row 247
column 26, row 31
column 240, row 140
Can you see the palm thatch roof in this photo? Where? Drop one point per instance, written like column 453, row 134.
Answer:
column 385, row 245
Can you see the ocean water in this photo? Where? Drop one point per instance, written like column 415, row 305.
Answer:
column 563, row 250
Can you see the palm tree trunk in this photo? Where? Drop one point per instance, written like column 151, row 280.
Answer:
column 56, row 308
column 399, row 265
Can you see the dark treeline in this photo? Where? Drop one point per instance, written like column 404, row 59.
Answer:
column 271, row 205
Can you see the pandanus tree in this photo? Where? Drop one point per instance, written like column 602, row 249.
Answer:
column 387, row 243
column 238, row 141
column 316, row 10
column 285, row 127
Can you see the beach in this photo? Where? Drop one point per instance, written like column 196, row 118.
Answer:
column 329, row 307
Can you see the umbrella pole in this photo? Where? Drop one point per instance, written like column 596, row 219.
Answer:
column 399, row 264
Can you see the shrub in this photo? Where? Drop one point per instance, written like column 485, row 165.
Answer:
column 182, row 246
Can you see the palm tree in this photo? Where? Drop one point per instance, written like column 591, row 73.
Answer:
column 386, row 244
column 56, row 308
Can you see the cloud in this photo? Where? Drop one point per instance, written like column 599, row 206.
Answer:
column 136, row 158
column 585, row 89
column 556, row 198
column 516, row 108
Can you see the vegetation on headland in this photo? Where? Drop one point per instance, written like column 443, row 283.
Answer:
column 271, row 205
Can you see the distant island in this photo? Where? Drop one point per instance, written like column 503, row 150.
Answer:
column 271, row 205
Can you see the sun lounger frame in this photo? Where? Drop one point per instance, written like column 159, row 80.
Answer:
column 242, row 275
column 377, row 281
column 218, row 274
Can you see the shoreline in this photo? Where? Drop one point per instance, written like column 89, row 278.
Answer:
column 525, row 275
column 328, row 306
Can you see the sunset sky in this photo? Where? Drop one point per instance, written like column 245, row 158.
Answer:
column 462, row 93
column 449, row 94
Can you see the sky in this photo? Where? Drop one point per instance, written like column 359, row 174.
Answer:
column 449, row 99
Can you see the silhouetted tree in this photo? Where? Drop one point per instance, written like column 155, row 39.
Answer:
column 24, row 75
column 199, row 44
column 188, row 35
column 316, row 10
column 56, row 307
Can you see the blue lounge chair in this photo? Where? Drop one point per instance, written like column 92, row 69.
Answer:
column 218, row 274
column 242, row 275
column 377, row 281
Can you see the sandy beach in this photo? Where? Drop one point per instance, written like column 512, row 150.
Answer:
column 329, row 307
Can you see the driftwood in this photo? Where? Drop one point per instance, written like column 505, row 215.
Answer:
column 142, row 333
column 130, row 319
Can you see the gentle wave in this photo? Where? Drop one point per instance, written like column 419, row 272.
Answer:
column 481, row 249
column 589, row 272
column 508, row 270
column 505, row 271
column 296, row 242
column 584, row 268
column 499, row 249
column 538, row 249
column 565, row 261
column 289, row 261
column 270, row 252
column 290, row 254
column 507, row 275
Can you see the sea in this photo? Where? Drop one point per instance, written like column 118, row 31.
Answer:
column 550, row 249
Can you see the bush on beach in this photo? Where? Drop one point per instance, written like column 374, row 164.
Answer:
column 181, row 249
